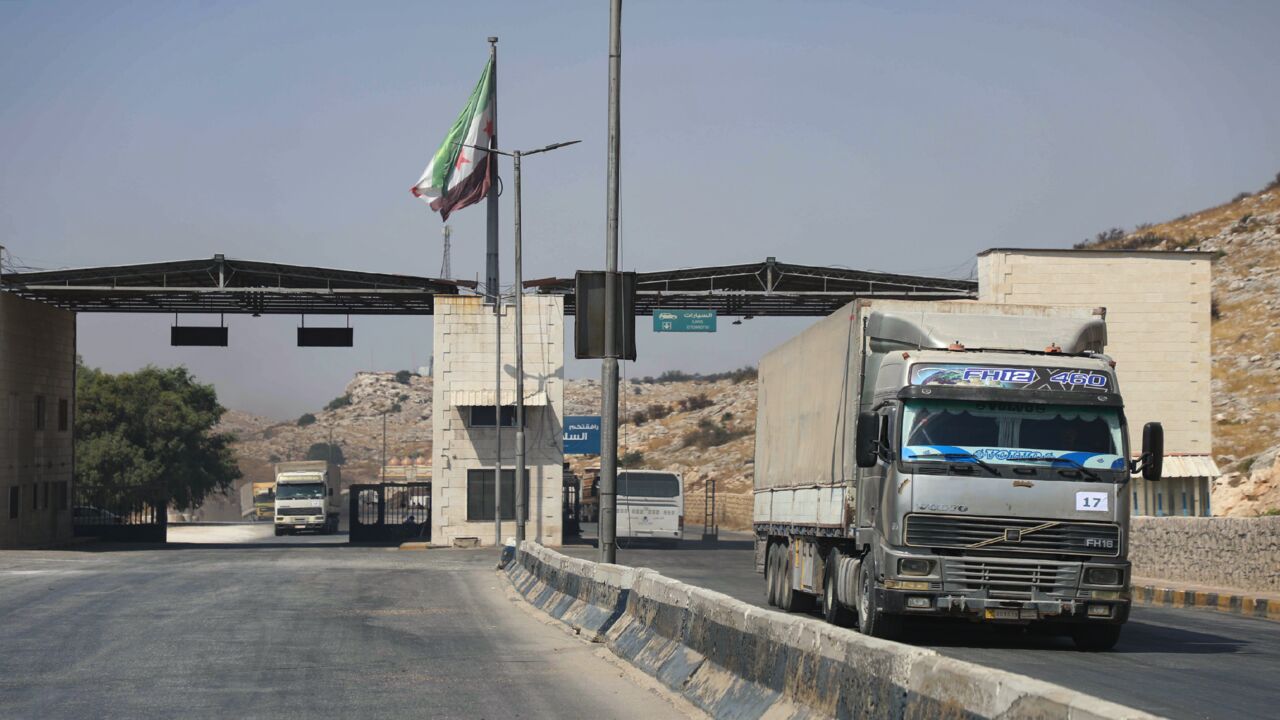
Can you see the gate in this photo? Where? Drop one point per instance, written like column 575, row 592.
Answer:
column 120, row 513
column 390, row 513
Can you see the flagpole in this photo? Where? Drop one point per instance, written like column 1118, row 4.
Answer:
column 496, row 292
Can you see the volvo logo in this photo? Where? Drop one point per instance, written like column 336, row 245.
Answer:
column 1012, row 535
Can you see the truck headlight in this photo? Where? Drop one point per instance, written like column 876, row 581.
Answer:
column 915, row 567
column 1102, row 576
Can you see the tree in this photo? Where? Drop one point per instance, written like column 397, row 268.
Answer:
column 152, row 428
column 306, row 419
column 325, row 451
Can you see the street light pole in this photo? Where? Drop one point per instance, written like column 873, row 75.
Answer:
column 522, row 501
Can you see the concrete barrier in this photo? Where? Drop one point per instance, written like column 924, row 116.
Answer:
column 735, row 660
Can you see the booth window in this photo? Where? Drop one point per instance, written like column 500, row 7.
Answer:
column 480, row 495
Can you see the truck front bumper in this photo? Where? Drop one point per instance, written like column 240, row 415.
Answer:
column 941, row 604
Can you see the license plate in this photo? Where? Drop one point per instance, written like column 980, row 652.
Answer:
column 1005, row 614
column 300, row 527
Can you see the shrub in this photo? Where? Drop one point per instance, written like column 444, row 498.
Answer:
column 306, row 419
column 657, row 411
column 696, row 402
column 274, row 458
column 638, row 418
column 708, row 434
column 634, row 458
column 402, row 397
column 395, row 408
column 403, row 377
column 1215, row 313
column 1240, row 197
column 726, row 418
column 339, row 402
column 325, row 451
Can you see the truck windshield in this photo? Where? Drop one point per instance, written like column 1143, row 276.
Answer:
column 300, row 491
column 1011, row 433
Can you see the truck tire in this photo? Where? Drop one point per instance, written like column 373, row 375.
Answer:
column 1095, row 638
column 790, row 599
column 771, row 574
column 832, row 611
column 279, row 532
column 871, row 620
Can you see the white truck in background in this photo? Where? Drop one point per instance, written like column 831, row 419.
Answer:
column 948, row 459
column 307, row 497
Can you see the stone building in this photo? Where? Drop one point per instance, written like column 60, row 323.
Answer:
column 37, row 400
column 1158, row 331
column 464, row 436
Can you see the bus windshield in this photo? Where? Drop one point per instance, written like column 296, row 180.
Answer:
column 658, row 485
column 1013, row 433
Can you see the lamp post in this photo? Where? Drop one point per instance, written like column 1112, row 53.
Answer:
column 521, row 500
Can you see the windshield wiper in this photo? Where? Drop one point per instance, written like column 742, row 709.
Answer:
column 1090, row 473
column 960, row 456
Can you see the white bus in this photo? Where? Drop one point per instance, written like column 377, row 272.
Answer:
column 650, row 506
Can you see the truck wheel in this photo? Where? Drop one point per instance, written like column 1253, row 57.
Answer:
column 279, row 532
column 790, row 599
column 871, row 620
column 771, row 574
column 1094, row 638
column 832, row 611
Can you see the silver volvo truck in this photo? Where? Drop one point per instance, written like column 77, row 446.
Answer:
column 951, row 459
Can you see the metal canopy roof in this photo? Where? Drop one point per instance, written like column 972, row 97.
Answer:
column 221, row 285
column 771, row 288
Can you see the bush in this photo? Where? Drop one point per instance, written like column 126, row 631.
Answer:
column 1240, row 197
column 726, row 418
column 395, row 408
column 306, row 419
column 339, row 402
column 402, row 397
column 325, row 451
column 403, row 377
column 1215, row 313
column 709, row 434
column 638, row 418
column 634, row 458
column 696, row 402
column 657, row 411
column 274, row 458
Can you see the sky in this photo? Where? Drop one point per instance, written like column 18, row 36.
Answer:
column 894, row 136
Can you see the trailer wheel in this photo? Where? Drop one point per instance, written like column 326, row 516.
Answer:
column 871, row 620
column 790, row 599
column 832, row 611
column 771, row 574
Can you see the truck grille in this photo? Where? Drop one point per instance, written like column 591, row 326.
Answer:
column 300, row 511
column 1020, row 535
column 1009, row 579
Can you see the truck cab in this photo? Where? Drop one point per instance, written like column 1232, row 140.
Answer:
column 306, row 498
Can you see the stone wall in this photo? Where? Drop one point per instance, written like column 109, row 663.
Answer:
column 1240, row 553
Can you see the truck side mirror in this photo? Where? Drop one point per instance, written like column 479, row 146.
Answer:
column 1152, row 451
column 868, row 436
column 330, row 492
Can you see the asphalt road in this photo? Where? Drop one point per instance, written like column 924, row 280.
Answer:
column 251, row 625
column 1175, row 663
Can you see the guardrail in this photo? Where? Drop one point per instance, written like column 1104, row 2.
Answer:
column 735, row 660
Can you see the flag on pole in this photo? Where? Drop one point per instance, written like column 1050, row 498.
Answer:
column 458, row 176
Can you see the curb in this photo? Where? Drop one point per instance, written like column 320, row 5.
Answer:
column 1242, row 605
column 415, row 546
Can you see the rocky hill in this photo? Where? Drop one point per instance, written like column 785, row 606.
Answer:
column 1246, row 336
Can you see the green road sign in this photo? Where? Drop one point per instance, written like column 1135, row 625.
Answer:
column 684, row 320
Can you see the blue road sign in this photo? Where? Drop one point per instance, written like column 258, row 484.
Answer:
column 684, row 320
column 582, row 435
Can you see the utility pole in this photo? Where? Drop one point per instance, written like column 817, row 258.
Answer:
column 383, row 472
column 521, row 501
column 609, row 400
column 496, row 293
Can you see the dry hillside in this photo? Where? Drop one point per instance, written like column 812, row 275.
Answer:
column 1246, row 336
